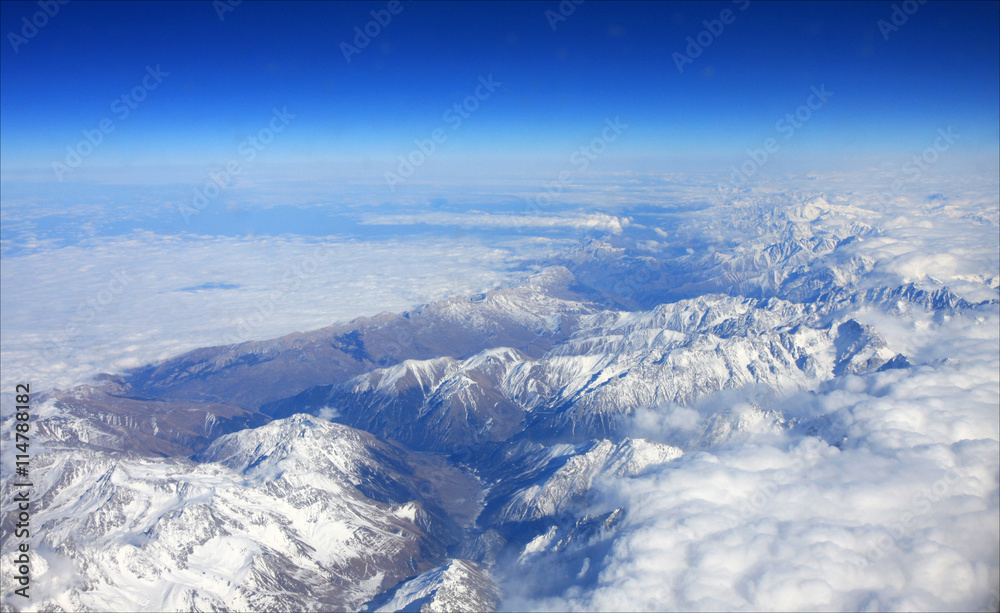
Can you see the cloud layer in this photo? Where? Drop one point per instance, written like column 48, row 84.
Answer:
column 73, row 311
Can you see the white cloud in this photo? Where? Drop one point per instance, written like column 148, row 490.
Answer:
column 129, row 300
column 328, row 413
column 902, row 516
column 580, row 221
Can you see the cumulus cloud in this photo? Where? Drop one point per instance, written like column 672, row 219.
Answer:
column 873, row 492
column 879, row 493
column 328, row 413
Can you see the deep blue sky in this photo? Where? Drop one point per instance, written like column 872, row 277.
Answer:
column 940, row 68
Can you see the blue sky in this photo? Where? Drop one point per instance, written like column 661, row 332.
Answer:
column 557, row 85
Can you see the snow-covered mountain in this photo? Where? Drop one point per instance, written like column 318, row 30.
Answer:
column 539, row 444
column 299, row 514
column 459, row 585
column 614, row 363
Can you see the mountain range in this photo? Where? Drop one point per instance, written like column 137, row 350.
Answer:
column 446, row 457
